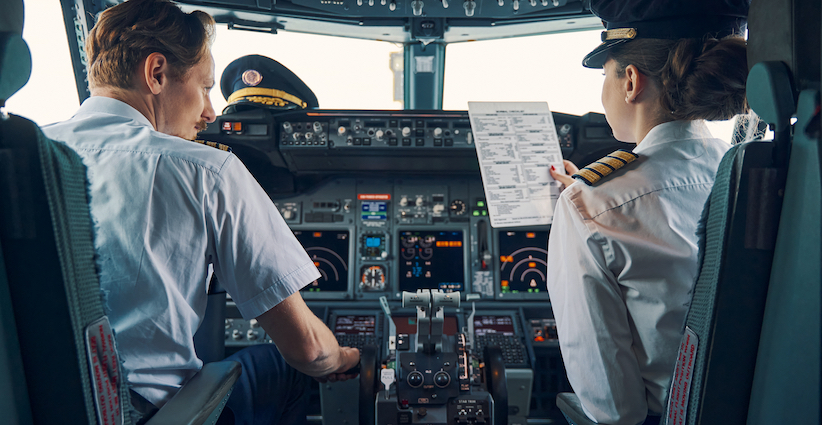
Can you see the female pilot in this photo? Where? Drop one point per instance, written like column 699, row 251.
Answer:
column 623, row 248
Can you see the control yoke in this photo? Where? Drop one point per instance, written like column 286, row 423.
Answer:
column 430, row 315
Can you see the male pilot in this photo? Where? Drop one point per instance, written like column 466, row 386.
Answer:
column 165, row 208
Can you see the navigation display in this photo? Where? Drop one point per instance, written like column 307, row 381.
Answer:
column 355, row 325
column 523, row 261
column 431, row 260
column 329, row 251
column 484, row 325
column 408, row 325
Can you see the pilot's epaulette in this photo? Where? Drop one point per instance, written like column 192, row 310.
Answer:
column 599, row 169
column 219, row 146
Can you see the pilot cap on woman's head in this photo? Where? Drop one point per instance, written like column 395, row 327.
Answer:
column 627, row 20
column 256, row 81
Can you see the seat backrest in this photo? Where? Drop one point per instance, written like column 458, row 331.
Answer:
column 760, row 187
column 49, row 284
column 718, row 353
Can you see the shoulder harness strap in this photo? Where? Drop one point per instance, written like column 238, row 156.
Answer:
column 605, row 166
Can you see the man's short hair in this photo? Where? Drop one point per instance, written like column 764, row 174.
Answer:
column 127, row 33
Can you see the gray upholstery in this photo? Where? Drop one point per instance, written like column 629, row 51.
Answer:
column 49, row 288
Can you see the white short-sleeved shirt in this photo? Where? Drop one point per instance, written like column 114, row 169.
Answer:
column 622, row 261
column 164, row 208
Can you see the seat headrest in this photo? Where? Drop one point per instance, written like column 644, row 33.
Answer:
column 15, row 57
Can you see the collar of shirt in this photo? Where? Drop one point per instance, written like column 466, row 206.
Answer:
column 672, row 131
column 110, row 106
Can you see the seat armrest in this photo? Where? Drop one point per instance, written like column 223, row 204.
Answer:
column 198, row 398
column 570, row 405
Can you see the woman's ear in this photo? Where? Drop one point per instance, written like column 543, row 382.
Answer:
column 634, row 83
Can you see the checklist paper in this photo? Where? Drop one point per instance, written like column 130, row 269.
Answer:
column 516, row 145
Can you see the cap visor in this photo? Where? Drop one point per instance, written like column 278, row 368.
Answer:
column 597, row 58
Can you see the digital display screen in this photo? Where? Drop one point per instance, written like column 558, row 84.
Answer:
column 431, row 260
column 355, row 325
column 408, row 325
column 523, row 261
column 329, row 251
column 484, row 325
column 374, row 210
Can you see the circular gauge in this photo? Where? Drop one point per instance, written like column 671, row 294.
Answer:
column 457, row 207
column 409, row 241
column 427, row 241
column 372, row 278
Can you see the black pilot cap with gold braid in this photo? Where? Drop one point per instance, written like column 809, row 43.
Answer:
column 256, row 81
column 599, row 169
column 627, row 20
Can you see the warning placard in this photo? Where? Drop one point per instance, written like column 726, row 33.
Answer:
column 683, row 375
column 105, row 373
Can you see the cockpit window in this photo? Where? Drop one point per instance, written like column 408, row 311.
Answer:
column 347, row 73
column 344, row 73
column 545, row 68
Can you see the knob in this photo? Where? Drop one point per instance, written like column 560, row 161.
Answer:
column 438, row 209
column 420, row 201
column 296, row 136
column 403, row 201
column 406, row 131
column 254, row 323
column 228, row 323
column 416, row 7
column 251, row 335
column 469, row 7
column 392, row 6
column 415, row 379
column 288, row 215
column 317, row 127
column 287, row 127
column 437, row 132
column 341, row 131
column 516, row 5
column 442, row 379
column 379, row 134
column 236, row 334
column 309, row 136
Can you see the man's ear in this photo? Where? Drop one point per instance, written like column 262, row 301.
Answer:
column 155, row 72
column 634, row 83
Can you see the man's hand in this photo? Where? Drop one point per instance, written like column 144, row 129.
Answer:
column 565, row 179
column 351, row 358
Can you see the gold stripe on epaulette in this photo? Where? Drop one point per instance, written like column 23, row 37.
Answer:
column 219, row 146
column 624, row 155
column 596, row 171
column 256, row 92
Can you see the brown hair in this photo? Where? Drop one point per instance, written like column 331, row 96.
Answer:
column 698, row 79
column 127, row 33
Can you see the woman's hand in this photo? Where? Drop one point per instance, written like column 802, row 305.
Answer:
column 565, row 179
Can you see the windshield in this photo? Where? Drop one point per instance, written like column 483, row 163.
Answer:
column 348, row 73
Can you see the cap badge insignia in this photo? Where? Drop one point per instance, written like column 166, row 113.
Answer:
column 251, row 77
